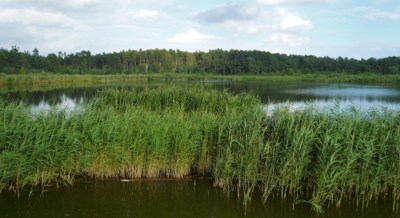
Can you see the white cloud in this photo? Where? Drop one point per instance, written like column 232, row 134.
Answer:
column 192, row 36
column 288, row 39
column 53, row 39
column 277, row 20
column 253, row 29
column 80, row 3
column 49, row 31
column 273, row 50
column 295, row 23
column 293, row 2
column 377, row 14
column 56, row 4
column 146, row 14
column 382, row 15
column 247, row 27
column 31, row 16
column 361, row 9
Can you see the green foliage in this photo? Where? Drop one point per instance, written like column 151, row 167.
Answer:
column 169, row 132
column 334, row 157
column 218, row 61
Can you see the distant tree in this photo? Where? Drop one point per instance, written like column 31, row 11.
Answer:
column 14, row 58
column 35, row 52
column 53, row 64
column 3, row 59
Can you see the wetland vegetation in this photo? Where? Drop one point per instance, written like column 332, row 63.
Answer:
column 307, row 156
column 53, row 81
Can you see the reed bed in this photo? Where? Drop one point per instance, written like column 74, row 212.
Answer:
column 332, row 157
column 165, row 132
column 172, row 132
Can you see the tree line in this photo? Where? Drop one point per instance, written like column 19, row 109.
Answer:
column 217, row 61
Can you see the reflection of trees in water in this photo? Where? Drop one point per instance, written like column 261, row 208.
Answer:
column 184, row 198
column 53, row 97
column 58, row 96
column 192, row 198
column 267, row 91
column 282, row 92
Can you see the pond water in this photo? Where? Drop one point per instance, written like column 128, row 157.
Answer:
column 188, row 198
column 192, row 198
column 322, row 95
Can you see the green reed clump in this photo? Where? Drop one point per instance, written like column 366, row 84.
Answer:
column 231, row 126
column 332, row 157
column 189, row 98
column 165, row 132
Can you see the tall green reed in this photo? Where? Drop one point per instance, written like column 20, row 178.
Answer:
column 331, row 157
column 164, row 132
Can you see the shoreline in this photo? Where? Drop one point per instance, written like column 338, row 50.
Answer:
column 52, row 79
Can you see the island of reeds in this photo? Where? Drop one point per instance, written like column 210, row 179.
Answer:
column 322, row 158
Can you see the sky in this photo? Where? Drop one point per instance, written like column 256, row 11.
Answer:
column 347, row 28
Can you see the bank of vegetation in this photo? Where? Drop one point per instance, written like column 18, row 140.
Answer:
column 48, row 81
column 170, row 132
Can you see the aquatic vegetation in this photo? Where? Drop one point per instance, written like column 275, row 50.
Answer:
column 169, row 132
column 172, row 132
column 332, row 157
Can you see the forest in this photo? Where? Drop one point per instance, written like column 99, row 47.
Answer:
column 218, row 61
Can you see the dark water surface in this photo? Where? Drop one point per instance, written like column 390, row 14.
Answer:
column 194, row 198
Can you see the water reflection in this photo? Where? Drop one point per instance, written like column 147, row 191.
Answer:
column 350, row 93
column 346, row 90
column 189, row 198
column 364, row 97
column 322, row 95
column 52, row 97
column 63, row 102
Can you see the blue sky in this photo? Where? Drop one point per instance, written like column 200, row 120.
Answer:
column 347, row 28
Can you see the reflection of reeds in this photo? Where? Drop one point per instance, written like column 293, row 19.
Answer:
column 173, row 132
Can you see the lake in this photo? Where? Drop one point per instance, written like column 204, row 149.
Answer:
column 196, row 197
column 322, row 95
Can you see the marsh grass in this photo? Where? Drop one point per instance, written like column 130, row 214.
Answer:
column 304, row 155
column 165, row 132
column 332, row 157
